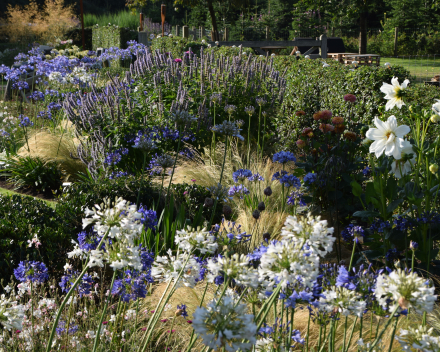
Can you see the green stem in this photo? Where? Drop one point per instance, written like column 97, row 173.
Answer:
column 98, row 332
column 142, row 180
column 175, row 161
column 392, row 335
column 249, row 142
column 259, row 126
column 63, row 304
column 351, row 334
column 378, row 338
column 352, row 255
column 345, row 333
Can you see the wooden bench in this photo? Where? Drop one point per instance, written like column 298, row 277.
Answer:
column 339, row 56
column 363, row 59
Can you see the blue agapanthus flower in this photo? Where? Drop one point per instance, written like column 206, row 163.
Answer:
column 283, row 157
column 296, row 198
column 73, row 328
column 241, row 174
column 352, row 233
column 310, row 178
column 344, row 279
column 379, row 226
column 286, row 179
column 84, row 287
column 182, row 309
column 149, row 217
column 256, row 177
column 238, row 190
column 132, row 285
column 31, row 271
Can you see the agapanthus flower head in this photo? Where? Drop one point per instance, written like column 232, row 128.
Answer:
column 11, row 314
column 84, row 287
column 132, row 285
column 353, row 233
column 225, row 324
column 148, row 217
column 182, row 118
column 286, row 179
column 286, row 262
column 255, row 178
column 167, row 268
column 310, row 231
column 310, row 178
column 387, row 137
column 196, row 239
column 420, row 338
column 229, row 129
column 31, row 271
column 25, row 121
column 405, row 289
column 230, row 109
column 181, row 311
column 144, row 142
column 250, row 110
column 350, row 98
column 241, row 174
column 296, row 198
column 218, row 192
column 342, row 300
column 164, row 161
column 260, row 101
column 238, row 190
column 283, row 157
column 216, row 98
column 394, row 93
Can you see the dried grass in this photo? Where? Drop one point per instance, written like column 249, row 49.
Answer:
column 29, row 23
column 59, row 146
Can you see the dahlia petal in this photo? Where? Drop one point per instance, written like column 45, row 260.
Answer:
column 392, row 122
column 395, row 82
column 405, row 84
column 381, row 126
column 402, row 130
column 386, row 88
column 390, row 104
column 374, row 134
column 377, row 147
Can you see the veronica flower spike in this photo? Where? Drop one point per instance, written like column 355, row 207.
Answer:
column 393, row 93
column 387, row 137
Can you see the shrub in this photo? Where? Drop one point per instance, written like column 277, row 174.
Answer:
column 33, row 172
column 111, row 36
column 21, row 218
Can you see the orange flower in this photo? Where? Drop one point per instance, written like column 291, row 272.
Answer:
column 350, row 135
column 326, row 128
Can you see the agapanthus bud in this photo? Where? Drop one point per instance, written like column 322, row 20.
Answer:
column 209, row 202
column 266, row 236
column 435, row 118
column 178, row 312
column 413, row 245
column 256, row 214
column 433, row 168
column 268, row 191
column 227, row 210
column 261, row 206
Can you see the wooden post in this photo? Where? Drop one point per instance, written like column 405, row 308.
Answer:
column 202, row 32
column 191, row 33
column 226, row 34
column 177, row 30
column 323, row 47
column 396, row 35
column 141, row 22
column 82, row 25
column 267, row 32
column 185, row 32
column 162, row 15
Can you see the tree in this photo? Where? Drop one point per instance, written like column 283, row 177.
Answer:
column 232, row 3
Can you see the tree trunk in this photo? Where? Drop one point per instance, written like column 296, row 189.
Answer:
column 363, row 33
column 214, row 35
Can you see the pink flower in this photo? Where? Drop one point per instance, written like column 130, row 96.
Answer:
column 177, row 60
column 193, row 180
column 350, row 97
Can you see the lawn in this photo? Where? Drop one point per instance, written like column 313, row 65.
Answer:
column 422, row 67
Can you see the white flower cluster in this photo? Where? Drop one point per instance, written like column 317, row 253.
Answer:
column 236, row 267
column 406, row 290
column 310, row 231
column 11, row 314
column 366, row 346
column 342, row 300
column 78, row 75
column 286, row 262
column 122, row 223
column 167, row 268
column 419, row 339
column 225, row 324
column 195, row 239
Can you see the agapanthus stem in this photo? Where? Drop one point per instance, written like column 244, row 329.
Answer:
column 32, row 310
column 220, row 182
column 392, row 335
column 142, row 181
column 258, row 138
column 378, row 338
column 72, row 289
column 352, row 254
column 249, row 143
column 345, row 333
column 308, row 332
column 98, row 332
column 351, row 334
column 174, row 165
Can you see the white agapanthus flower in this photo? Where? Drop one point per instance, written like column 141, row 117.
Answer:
column 387, row 137
column 436, row 107
column 167, row 268
column 406, row 289
column 311, row 231
column 236, row 267
column 192, row 239
column 225, row 324
column 11, row 314
column 342, row 300
column 286, row 262
column 393, row 93
column 403, row 166
column 325, row 64
column 420, row 338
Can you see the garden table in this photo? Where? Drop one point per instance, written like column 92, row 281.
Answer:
column 339, row 56
column 363, row 59
column 274, row 49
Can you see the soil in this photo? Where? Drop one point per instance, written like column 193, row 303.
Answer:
column 48, row 195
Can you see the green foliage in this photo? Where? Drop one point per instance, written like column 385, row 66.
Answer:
column 111, row 36
column 23, row 217
column 122, row 19
column 193, row 197
column 312, row 87
column 33, row 172
column 76, row 35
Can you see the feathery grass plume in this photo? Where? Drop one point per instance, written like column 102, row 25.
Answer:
column 55, row 147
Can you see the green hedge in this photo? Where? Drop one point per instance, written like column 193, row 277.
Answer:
column 312, row 87
column 76, row 35
column 111, row 36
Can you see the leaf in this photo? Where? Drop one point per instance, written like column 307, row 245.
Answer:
column 366, row 214
column 356, row 188
column 393, row 205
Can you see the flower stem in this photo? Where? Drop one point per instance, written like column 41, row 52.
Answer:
column 352, row 255
column 142, row 180
column 174, row 166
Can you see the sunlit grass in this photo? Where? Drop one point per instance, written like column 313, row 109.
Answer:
column 423, row 68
